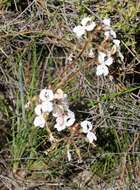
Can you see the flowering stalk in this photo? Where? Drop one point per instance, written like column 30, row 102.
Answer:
column 104, row 58
column 56, row 103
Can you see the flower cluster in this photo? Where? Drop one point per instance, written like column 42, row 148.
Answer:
column 105, row 58
column 57, row 104
column 87, row 25
column 104, row 61
column 45, row 106
column 86, row 128
column 109, row 32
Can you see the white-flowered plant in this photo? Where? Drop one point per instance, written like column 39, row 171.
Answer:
column 45, row 105
column 109, row 32
column 118, row 48
column 39, row 121
column 46, row 95
column 110, row 37
column 87, row 128
column 57, row 105
column 87, row 25
column 104, row 62
column 65, row 120
column 106, row 22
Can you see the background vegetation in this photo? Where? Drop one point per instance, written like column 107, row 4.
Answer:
column 36, row 40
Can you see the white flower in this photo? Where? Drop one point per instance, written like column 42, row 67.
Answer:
column 86, row 126
column 46, row 95
column 38, row 109
column 39, row 121
column 60, row 120
column 117, row 43
column 60, row 124
column 79, row 31
column 106, row 22
column 91, row 136
column 110, row 33
column 117, row 47
column 102, row 70
column 69, row 119
column 47, row 106
column 109, row 61
column 88, row 24
column 59, row 127
column 64, row 121
column 103, row 59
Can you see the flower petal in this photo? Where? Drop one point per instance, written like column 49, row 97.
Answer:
column 101, row 57
column 90, row 26
column 59, row 127
column 60, row 120
column 102, row 70
column 91, row 136
column 46, row 95
column 47, row 106
column 39, row 121
column 69, row 118
column 86, row 126
column 109, row 61
column 110, row 33
column 106, row 21
column 60, row 124
column 79, row 31
column 117, row 43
